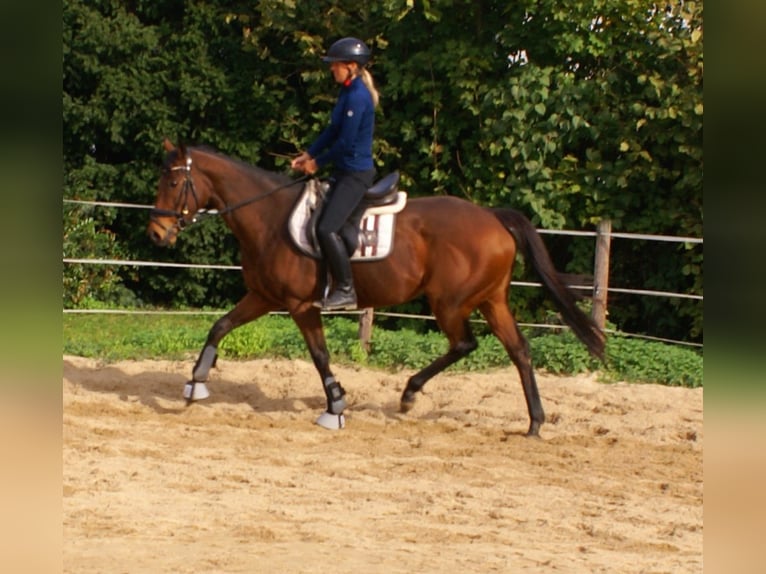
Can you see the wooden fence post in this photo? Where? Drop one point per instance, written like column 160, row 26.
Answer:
column 365, row 328
column 601, row 272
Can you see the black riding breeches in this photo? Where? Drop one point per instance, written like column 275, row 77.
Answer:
column 342, row 202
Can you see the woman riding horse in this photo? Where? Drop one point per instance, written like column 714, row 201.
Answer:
column 347, row 144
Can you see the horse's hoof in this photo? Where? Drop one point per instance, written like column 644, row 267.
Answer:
column 534, row 431
column 406, row 406
column 330, row 421
column 195, row 391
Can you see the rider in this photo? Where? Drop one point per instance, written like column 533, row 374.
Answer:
column 347, row 144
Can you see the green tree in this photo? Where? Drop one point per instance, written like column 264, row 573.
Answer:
column 607, row 123
column 133, row 74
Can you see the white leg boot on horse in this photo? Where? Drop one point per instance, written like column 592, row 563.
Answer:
column 196, row 389
column 333, row 418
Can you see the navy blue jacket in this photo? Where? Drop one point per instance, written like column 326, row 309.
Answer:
column 347, row 141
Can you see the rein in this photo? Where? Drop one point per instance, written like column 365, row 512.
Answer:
column 201, row 213
column 250, row 200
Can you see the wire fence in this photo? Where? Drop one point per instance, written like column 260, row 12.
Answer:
column 138, row 263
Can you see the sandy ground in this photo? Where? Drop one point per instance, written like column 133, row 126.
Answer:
column 246, row 482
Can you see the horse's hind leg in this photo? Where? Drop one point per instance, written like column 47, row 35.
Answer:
column 504, row 327
column 462, row 342
column 249, row 308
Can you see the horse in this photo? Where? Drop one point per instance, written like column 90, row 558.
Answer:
column 458, row 254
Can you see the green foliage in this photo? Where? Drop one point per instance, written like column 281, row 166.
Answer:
column 270, row 336
column 83, row 240
column 131, row 337
column 603, row 119
column 405, row 349
column 133, row 75
column 562, row 354
column 641, row 361
column 115, row 337
column 571, row 112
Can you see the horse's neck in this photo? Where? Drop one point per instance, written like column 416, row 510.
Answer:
column 256, row 204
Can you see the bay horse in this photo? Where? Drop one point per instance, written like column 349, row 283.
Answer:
column 456, row 253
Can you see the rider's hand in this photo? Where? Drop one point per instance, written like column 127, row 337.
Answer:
column 304, row 163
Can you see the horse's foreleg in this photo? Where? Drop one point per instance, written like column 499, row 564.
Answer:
column 504, row 327
column 250, row 307
column 309, row 321
column 462, row 342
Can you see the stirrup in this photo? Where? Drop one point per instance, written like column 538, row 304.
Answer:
column 338, row 301
column 326, row 306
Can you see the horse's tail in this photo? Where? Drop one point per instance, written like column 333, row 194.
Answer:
column 532, row 247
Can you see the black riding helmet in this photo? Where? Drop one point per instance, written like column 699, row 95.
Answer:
column 348, row 50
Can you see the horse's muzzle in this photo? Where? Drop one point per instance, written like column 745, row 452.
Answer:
column 162, row 235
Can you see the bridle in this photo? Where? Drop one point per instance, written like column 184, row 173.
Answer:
column 188, row 188
column 182, row 200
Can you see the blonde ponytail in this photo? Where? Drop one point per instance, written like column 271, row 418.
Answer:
column 368, row 81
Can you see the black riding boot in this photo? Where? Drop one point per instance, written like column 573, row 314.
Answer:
column 343, row 296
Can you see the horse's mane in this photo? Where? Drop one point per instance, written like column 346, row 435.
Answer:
column 252, row 170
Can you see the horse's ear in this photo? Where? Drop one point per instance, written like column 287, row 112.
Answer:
column 168, row 145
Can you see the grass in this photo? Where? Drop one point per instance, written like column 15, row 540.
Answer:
column 110, row 338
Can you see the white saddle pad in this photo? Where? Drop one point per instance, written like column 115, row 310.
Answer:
column 376, row 229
